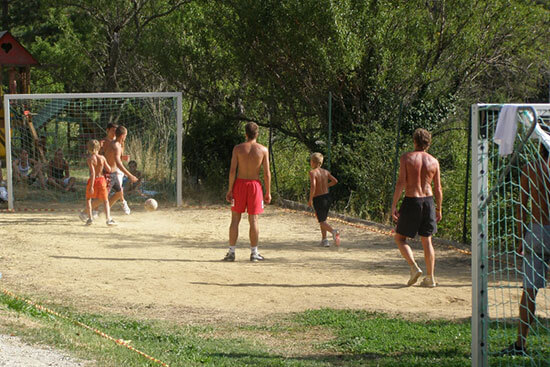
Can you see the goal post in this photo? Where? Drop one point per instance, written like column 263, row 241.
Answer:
column 498, row 271
column 40, row 125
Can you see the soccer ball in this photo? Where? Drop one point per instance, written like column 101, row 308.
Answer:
column 151, row 205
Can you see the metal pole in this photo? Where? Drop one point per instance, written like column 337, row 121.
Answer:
column 329, row 128
column 467, row 179
column 270, row 149
column 480, row 317
column 179, row 148
column 396, row 156
column 7, row 130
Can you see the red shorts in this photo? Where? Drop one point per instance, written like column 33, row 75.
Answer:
column 100, row 189
column 247, row 195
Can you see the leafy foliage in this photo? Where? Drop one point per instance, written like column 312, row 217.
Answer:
column 391, row 66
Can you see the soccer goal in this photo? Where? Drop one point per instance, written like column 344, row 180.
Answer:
column 510, row 196
column 46, row 137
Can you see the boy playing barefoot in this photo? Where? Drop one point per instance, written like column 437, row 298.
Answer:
column 320, row 180
column 97, row 185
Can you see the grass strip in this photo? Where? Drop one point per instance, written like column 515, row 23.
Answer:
column 324, row 337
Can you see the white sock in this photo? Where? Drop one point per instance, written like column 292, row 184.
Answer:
column 254, row 250
column 232, row 249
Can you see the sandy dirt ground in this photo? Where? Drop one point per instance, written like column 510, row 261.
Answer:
column 167, row 264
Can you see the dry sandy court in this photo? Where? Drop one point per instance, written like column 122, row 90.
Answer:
column 167, row 264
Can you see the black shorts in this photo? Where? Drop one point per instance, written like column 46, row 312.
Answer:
column 321, row 204
column 417, row 215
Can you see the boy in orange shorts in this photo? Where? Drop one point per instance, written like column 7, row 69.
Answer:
column 97, row 185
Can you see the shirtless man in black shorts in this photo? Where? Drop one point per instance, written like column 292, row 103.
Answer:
column 418, row 212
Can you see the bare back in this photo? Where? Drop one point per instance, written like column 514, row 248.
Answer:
column 319, row 181
column 111, row 150
column 102, row 144
column 420, row 169
column 250, row 158
column 538, row 187
column 97, row 162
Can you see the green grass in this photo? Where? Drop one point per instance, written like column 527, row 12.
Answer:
column 323, row 337
column 314, row 338
column 374, row 339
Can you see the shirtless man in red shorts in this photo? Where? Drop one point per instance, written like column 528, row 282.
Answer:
column 245, row 190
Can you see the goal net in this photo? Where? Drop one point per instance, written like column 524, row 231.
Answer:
column 510, row 245
column 45, row 146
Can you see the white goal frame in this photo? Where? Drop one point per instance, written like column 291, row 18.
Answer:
column 7, row 128
column 481, row 196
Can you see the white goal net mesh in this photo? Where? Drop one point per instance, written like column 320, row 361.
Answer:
column 46, row 145
column 510, row 235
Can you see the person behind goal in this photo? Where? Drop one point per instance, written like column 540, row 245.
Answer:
column 533, row 230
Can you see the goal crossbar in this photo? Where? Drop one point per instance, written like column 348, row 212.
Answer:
column 7, row 128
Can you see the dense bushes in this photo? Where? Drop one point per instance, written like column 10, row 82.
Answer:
column 207, row 151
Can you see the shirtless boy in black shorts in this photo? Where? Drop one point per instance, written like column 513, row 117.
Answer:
column 418, row 213
column 320, row 180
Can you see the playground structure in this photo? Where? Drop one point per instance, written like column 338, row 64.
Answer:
column 16, row 61
column 28, row 123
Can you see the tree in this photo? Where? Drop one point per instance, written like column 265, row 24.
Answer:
column 108, row 35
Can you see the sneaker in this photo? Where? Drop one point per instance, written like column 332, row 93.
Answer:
column 230, row 256
column 111, row 222
column 125, row 207
column 336, row 237
column 513, row 350
column 325, row 243
column 256, row 257
column 89, row 222
column 83, row 216
column 415, row 274
column 428, row 282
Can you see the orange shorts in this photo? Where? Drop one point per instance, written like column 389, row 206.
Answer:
column 247, row 196
column 100, row 189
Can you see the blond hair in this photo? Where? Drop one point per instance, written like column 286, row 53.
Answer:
column 317, row 158
column 93, row 146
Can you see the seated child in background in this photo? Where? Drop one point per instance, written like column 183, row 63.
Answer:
column 320, row 180
column 58, row 173
column 130, row 187
column 28, row 170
